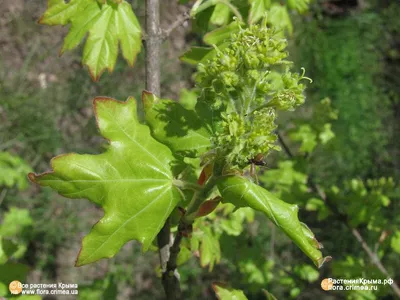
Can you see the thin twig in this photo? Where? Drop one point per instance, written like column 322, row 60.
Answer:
column 178, row 22
column 285, row 147
column 374, row 258
column 153, row 84
column 153, row 46
column 170, row 277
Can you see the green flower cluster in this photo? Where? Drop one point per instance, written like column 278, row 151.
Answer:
column 249, row 79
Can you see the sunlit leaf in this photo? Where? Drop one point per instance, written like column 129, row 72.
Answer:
column 132, row 181
column 326, row 134
column 279, row 17
column 15, row 220
column 106, row 24
column 188, row 99
column 242, row 192
column 225, row 293
column 395, row 242
column 13, row 170
column 307, row 136
column 300, row 5
column 218, row 36
column 220, row 15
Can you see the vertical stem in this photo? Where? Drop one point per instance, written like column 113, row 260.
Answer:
column 170, row 277
column 153, row 69
column 153, row 45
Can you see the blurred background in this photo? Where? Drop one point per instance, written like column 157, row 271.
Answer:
column 348, row 145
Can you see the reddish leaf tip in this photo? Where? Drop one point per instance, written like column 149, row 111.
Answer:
column 77, row 264
column 148, row 99
column 32, row 177
column 215, row 286
column 208, row 207
column 323, row 260
column 61, row 52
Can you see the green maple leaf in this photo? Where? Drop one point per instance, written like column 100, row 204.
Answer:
column 279, row 17
column 132, row 181
column 107, row 24
column 218, row 36
column 242, row 192
column 258, row 9
column 179, row 128
column 225, row 293
column 220, row 15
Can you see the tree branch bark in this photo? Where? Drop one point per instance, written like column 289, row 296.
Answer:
column 153, row 46
column 178, row 22
column 153, row 84
column 373, row 257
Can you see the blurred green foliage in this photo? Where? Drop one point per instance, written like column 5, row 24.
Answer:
column 344, row 57
column 13, row 171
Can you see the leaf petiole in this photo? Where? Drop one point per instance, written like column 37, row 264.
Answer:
column 185, row 185
column 198, row 198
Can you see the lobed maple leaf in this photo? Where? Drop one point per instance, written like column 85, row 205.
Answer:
column 107, row 24
column 132, row 181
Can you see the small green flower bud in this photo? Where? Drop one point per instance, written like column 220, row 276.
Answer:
column 243, row 78
column 251, row 60
column 229, row 78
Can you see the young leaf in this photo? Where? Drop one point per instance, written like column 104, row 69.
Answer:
column 218, row 36
column 13, row 170
column 258, row 9
column 210, row 252
column 15, row 220
column 242, row 192
column 279, row 16
column 132, row 181
column 188, row 99
column 196, row 54
column 172, row 124
column 220, row 15
column 300, row 5
column 224, row 293
column 206, row 241
column 307, row 136
column 107, row 24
